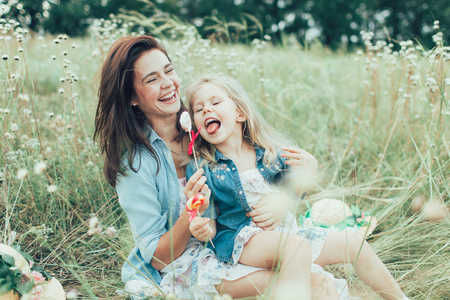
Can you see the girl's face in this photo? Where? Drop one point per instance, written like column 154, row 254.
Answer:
column 217, row 115
column 157, row 85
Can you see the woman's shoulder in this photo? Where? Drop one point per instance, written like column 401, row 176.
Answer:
column 142, row 161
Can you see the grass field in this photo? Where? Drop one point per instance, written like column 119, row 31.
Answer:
column 377, row 121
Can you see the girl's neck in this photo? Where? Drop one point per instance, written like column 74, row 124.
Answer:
column 232, row 147
column 241, row 153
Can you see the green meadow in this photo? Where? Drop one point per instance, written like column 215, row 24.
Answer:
column 377, row 120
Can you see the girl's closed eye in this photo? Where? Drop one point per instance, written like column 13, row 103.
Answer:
column 169, row 70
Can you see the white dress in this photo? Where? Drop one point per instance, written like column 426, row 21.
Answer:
column 195, row 273
column 255, row 188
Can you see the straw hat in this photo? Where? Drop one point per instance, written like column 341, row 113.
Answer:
column 20, row 262
column 51, row 290
column 330, row 212
column 367, row 230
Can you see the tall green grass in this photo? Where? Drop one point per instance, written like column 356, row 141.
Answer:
column 377, row 121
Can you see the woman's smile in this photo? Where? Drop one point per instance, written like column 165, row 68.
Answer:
column 156, row 86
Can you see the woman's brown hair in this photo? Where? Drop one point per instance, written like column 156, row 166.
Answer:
column 120, row 127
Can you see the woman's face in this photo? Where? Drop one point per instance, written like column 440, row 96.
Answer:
column 157, row 85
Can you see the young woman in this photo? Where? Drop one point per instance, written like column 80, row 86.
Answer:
column 137, row 128
column 243, row 161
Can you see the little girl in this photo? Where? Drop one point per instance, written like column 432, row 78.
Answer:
column 242, row 161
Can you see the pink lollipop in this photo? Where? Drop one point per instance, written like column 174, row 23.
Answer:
column 193, row 204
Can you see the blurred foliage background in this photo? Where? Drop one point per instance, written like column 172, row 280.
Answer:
column 336, row 24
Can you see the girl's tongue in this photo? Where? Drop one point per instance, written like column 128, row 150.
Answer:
column 213, row 127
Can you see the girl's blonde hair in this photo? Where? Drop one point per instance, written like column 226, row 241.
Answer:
column 255, row 130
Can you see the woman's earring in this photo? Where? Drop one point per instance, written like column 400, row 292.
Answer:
column 134, row 104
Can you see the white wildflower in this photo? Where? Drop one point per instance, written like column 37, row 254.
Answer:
column 21, row 174
column 72, row 294
column 4, row 9
column 40, row 167
column 23, row 97
column 52, row 188
column 94, row 223
column 14, row 127
column 110, row 231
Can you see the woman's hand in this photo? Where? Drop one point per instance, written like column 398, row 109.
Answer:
column 197, row 185
column 201, row 229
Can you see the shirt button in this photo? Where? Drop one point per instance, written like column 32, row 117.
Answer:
column 262, row 169
column 240, row 192
column 233, row 168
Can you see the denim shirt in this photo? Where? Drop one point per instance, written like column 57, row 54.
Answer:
column 228, row 196
column 150, row 201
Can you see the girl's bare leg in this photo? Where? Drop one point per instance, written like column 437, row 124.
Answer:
column 255, row 284
column 323, row 287
column 349, row 247
column 292, row 253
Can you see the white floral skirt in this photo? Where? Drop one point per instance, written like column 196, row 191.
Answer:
column 197, row 271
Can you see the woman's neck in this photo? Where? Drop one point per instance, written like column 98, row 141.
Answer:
column 165, row 128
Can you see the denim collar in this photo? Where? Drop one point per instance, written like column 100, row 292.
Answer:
column 259, row 154
column 151, row 134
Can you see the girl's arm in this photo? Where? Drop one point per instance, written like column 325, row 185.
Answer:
column 304, row 166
